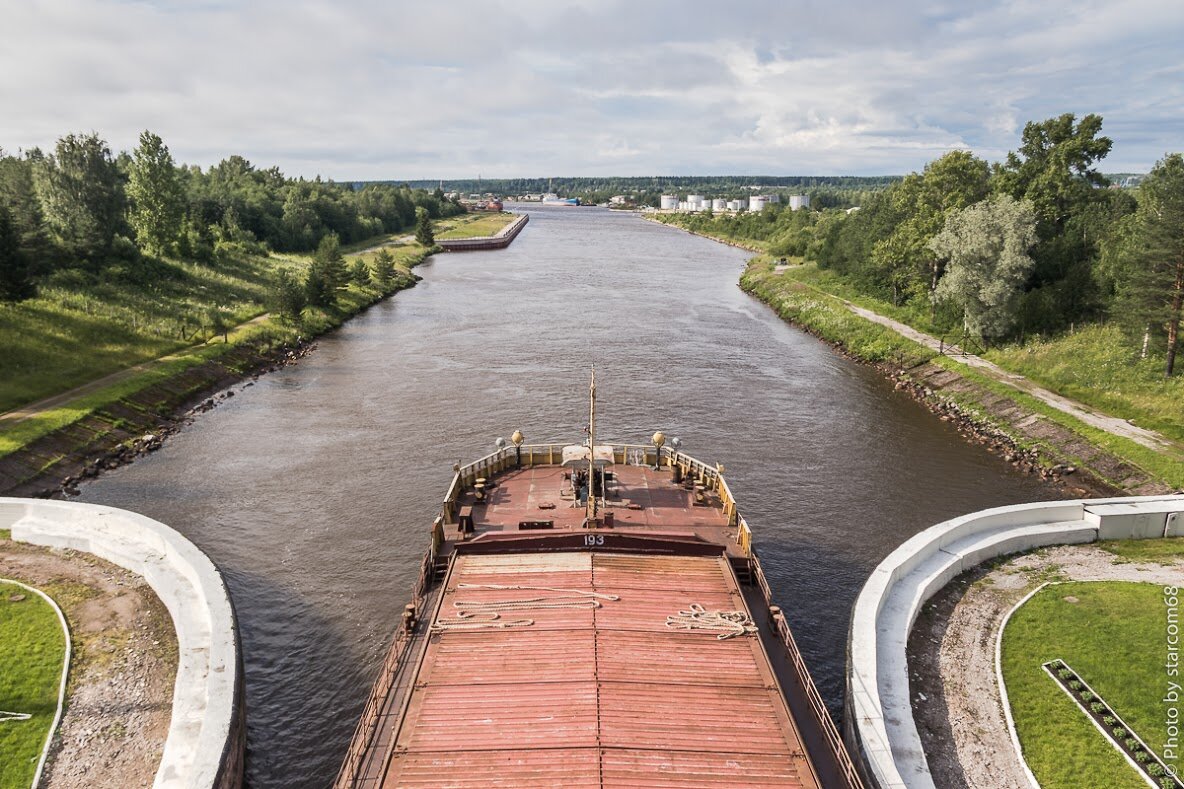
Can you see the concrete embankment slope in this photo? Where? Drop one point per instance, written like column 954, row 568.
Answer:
column 878, row 720
column 207, row 734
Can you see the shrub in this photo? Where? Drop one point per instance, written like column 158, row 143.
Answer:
column 1109, row 720
column 1131, row 744
column 1155, row 770
column 1167, row 783
column 1142, row 757
column 1119, row 733
column 1098, row 707
column 1086, row 696
column 1065, row 674
column 1075, row 685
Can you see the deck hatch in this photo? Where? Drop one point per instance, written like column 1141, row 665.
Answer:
column 595, row 696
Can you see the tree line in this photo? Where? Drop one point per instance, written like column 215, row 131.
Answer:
column 825, row 191
column 80, row 206
column 1034, row 244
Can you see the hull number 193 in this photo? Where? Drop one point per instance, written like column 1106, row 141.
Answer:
column 592, row 540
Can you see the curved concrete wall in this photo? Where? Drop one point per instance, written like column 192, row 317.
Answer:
column 878, row 718
column 206, row 734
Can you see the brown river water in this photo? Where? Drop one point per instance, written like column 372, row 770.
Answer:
column 314, row 489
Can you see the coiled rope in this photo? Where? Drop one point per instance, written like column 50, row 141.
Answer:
column 468, row 611
column 466, row 620
column 726, row 624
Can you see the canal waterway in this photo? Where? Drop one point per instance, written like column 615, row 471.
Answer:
column 314, row 489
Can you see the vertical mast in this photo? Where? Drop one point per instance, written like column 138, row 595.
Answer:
column 591, row 446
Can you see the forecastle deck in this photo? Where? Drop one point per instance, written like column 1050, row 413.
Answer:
column 630, row 650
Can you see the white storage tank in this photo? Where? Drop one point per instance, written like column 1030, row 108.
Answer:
column 695, row 202
column 669, row 202
column 719, row 204
column 735, row 205
column 757, row 202
column 798, row 201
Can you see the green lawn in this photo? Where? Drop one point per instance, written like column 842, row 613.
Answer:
column 1162, row 551
column 474, row 225
column 1113, row 636
column 32, row 648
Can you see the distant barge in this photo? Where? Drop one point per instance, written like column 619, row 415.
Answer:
column 593, row 615
column 503, row 238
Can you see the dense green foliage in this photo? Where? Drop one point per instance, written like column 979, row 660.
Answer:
column 1097, row 253
column 80, row 299
column 1110, row 633
column 80, row 207
column 987, row 246
column 1149, row 261
column 32, row 649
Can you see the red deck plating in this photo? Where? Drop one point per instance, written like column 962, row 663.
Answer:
column 606, row 696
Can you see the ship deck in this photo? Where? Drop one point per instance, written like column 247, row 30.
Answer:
column 638, row 498
column 569, row 689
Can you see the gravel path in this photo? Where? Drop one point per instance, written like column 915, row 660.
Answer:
column 1112, row 425
column 120, row 692
column 951, row 651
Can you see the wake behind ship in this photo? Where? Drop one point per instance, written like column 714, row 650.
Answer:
column 593, row 615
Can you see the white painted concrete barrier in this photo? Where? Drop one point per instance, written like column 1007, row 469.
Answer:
column 878, row 718
column 205, row 731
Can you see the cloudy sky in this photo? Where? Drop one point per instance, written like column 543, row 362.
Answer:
column 454, row 88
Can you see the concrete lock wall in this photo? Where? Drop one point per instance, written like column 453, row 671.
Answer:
column 207, row 736
column 878, row 720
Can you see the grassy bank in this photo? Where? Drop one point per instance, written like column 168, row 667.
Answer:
column 474, row 225
column 812, row 299
column 155, row 325
column 32, row 648
column 1112, row 634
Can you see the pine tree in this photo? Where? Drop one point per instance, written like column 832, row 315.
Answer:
column 1150, row 287
column 423, row 228
column 326, row 274
column 14, row 269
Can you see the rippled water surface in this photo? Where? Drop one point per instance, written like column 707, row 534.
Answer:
column 315, row 488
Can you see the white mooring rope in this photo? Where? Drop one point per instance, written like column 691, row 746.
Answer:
column 466, row 620
column 468, row 611
column 726, row 624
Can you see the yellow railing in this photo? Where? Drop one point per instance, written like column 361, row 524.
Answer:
column 531, row 455
column 624, row 454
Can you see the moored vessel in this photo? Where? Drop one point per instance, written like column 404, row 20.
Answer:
column 593, row 615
